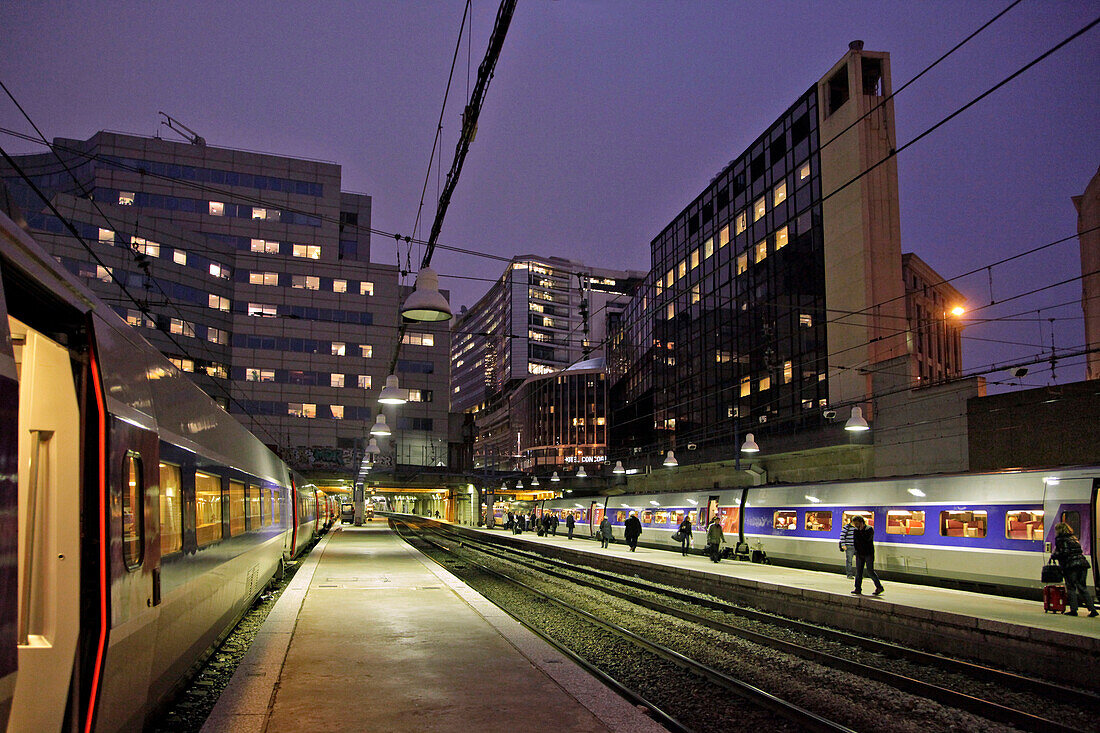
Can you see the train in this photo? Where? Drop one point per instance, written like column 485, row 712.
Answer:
column 985, row 532
column 138, row 519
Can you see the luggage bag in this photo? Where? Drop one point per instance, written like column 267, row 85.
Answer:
column 1054, row 599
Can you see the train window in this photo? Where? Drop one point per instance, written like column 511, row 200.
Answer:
column 265, row 505
column 1024, row 525
column 677, row 516
column 171, row 509
column 255, row 513
column 785, row 519
column 647, row 516
column 868, row 516
column 660, row 517
column 133, row 524
column 236, row 508
column 1073, row 519
column 962, row 524
column 900, row 521
column 819, row 521
column 620, row 516
column 277, row 507
column 208, row 508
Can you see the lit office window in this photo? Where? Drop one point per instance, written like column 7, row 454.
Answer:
column 260, row 375
column 805, row 319
column 338, row 348
column 695, row 293
column 219, row 270
column 765, row 384
column 681, row 269
column 337, row 411
column 265, row 246
column 217, row 370
column 106, row 236
column 366, row 351
column 339, row 286
column 258, row 213
column 336, row 380
column 263, row 278
column 781, row 238
column 179, row 257
column 305, row 282
column 742, row 263
column 419, row 339
column 742, row 222
column 761, row 250
column 758, row 209
column 804, row 172
column 300, row 409
column 184, row 365
column 181, row 327
column 364, row 381
column 263, row 310
column 311, row 251
column 670, row 312
column 670, row 278
column 780, row 194
column 126, row 198
column 694, row 258
column 366, row 288
column 217, row 208
column 724, row 236
column 140, row 244
column 218, row 303
column 746, row 386
column 217, row 336
column 103, row 273
column 708, row 248
column 788, row 372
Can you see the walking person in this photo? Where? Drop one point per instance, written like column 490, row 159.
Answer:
column 554, row 524
column 848, row 547
column 632, row 529
column 863, row 538
column 605, row 531
column 1075, row 566
column 685, row 535
column 570, row 522
column 715, row 539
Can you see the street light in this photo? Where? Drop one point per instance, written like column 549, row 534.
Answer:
column 856, row 423
column 426, row 303
column 555, row 478
column 534, row 481
column 392, row 394
column 670, row 460
column 380, row 427
column 581, row 473
column 618, row 467
column 750, row 446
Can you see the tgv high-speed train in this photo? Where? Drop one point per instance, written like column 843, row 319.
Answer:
column 986, row 532
column 138, row 520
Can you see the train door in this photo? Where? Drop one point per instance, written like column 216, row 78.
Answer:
column 712, row 510
column 593, row 520
column 49, row 482
column 1094, row 533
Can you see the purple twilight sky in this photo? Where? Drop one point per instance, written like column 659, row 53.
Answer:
column 606, row 118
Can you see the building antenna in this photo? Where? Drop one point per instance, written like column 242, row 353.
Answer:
column 182, row 130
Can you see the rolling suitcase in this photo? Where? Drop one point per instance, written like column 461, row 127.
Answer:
column 1054, row 599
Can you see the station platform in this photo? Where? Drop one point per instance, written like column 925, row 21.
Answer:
column 370, row 635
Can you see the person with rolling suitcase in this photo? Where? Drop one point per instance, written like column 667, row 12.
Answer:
column 1075, row 567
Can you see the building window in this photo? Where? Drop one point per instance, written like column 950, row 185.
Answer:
column 184, row 365
column 138, row 244
column 312, row 251
column 217, row 370
column 708, row 247
column 103, row 273
column 804, row 172
column 746, row 386
column 217, row 336
column 336, row 380
column 305, row 282
column 218, row 270
column 788, row 372
column 805, row 319
column 301, row 409
column 181, row 327
column 265, row 246
column 781, row 238
column 258, row 213
column 259, row 375
column 695, row 294
column 339, row 286
column 681, row 269
column 337, row 411
column 126, row 198
column 366, row 351
column 742, row 263
column 724, row 236
column 670, row 312
column 263, row 278
column 419, row 339
column 106, row 236
column 179, row 257
column 263, row 310
column 758, row 209
column 339, row 348
column 695, row 258
column 217, row 208
column 364, row 381
column 420, row 395
column 765, row 384
column 742, row 222
column 219, row 303
column 780, row 194
column 761, row 250
column 722, row 357
column 366, row 288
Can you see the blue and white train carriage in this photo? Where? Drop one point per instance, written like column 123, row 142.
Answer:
column 989, row 532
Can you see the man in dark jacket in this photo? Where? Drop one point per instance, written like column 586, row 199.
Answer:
column 570, row 522
column 632, row 529
column 864, row 540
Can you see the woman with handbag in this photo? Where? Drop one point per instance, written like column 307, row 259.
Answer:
column 1075, row 566
column 685, row 535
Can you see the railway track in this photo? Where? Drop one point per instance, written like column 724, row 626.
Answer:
column 1004, row 698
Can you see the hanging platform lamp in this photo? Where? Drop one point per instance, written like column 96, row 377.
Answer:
column 392, row 394
column 380, row 427
column 426, row 303
column 670, row 460
column 856, row 422
column 750, row 446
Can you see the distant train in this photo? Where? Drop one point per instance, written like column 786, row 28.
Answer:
column 138, row 520
column 989, row 532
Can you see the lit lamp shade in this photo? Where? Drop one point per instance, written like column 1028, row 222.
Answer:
column 856, row 422
column 555, row 478
column 392, row 394
column 426, row 303
column 380, row 427
column 618, row 467
column 534, row 480
column 670, row 460
column 750, row 446
column 581, row 473
column 519, row 485
column 372, row 447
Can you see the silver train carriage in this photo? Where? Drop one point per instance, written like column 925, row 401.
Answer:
column 988, row 532
column 138, row 520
